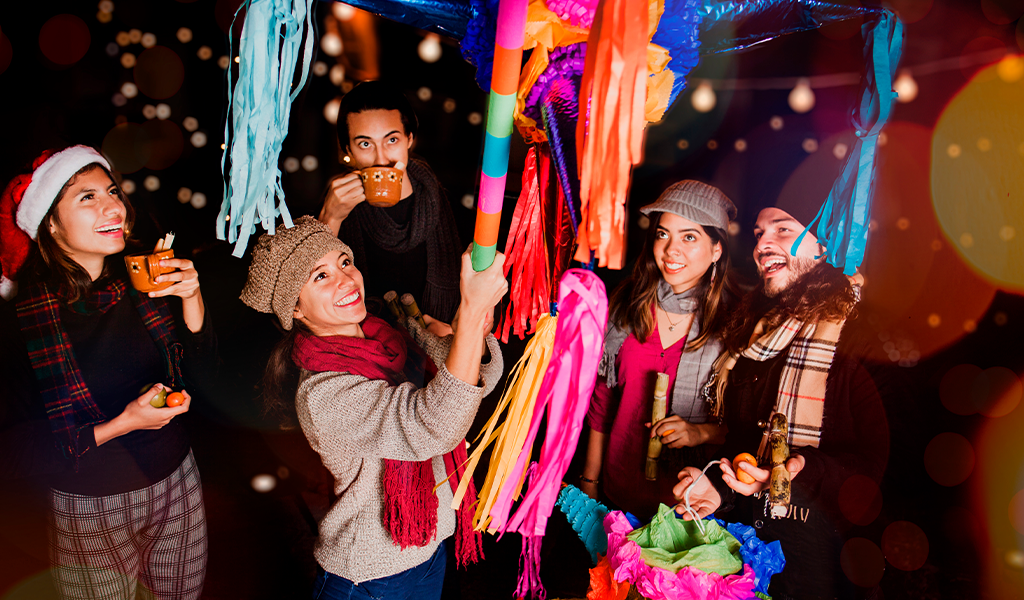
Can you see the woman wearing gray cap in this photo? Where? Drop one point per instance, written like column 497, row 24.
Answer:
column 387, row 415
column 665, row 318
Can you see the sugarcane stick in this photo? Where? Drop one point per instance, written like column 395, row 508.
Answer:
column 412, row 310
column 391, row 299
column 778, row 452
column 658, row 410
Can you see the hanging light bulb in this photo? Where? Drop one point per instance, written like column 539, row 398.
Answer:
column 703, row 98
column 331, row 110
column 430, row 48
column 330, row 43
column 801, row 99
column 905, row 86
column 343, row 12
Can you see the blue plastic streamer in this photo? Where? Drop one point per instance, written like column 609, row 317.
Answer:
column 274, row 35
column 841, row 224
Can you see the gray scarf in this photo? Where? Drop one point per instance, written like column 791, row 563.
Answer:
column 695, row 367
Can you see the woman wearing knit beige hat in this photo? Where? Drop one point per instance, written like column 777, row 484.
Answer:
column 387, row 415
column 664, row 318
column 80, row 354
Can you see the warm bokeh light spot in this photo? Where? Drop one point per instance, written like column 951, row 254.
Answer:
column 64, row 39
column 953, row 150
column 1017, row 512
column 956, row 389
column 163, row 143
column 930, row 278
column 122, row 145
column 997, row 392
column 911, row 11
column 905, row 545
column 980, row 195
column 862, row 562
column 949, row 459
column 860, row 500
column 159, row 72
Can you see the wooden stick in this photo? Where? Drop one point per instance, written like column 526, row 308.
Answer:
column 778, row 451
column 412, row 310
column 391, row 298
column 658, row 411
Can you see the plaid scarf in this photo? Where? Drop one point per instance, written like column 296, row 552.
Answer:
column 801, row 398
column 69, row 405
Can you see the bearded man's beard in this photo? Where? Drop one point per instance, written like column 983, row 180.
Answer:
column 797, row 267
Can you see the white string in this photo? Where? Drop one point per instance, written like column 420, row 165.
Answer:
column 686, row 497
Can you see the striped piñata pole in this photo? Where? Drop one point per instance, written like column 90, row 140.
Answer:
column 508, row 58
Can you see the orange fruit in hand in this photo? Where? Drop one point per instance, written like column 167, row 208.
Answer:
column 742, row 475
column 175, row 399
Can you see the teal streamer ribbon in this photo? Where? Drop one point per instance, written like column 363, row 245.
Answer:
column 275, row 34
column 842, row 222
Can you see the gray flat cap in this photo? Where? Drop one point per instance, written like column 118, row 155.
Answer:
column 695, row 201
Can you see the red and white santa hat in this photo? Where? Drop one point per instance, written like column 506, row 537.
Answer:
column 25, row 202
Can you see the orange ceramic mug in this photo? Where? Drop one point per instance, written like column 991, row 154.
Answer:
column 382, row 185
column 143, row 269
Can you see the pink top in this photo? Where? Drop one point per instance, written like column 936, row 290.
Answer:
column 622, row 412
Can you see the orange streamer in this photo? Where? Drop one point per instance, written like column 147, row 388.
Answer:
column 614, row 86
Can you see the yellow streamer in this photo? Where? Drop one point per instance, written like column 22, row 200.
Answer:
column 519, row 398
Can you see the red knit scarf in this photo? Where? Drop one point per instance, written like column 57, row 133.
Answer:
column 410, row 512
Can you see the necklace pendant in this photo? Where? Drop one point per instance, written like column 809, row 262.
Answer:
column 671, row 327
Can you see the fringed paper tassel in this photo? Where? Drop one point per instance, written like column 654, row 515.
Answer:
column 842, row 223
column 275, row 34
column 563, row 399
column 586, row 517
column 510, row 437
column 529, row 584
column 610, row 130
column 526, row 256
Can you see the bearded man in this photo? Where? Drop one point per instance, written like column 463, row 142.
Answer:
column 784, row 356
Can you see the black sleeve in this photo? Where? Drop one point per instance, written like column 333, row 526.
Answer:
column 200, row 364
column 855, row 440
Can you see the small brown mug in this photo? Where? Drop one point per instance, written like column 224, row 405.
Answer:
column 382, row 185
column 143, row 269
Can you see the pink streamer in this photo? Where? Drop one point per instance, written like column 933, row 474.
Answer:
column 628, row 565
column 565, row 396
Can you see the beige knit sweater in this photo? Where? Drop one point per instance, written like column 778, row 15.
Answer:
column 354, row 423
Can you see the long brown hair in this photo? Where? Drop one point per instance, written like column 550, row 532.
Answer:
column 49, row 262
column 822, row 294
column 281, row 381
column 631, row 301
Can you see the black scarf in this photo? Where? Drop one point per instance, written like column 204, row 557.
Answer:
column 431, row 222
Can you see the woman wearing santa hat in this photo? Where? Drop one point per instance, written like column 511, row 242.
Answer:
column 82, row 350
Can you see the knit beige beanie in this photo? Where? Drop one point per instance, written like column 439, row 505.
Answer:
column 281, row 264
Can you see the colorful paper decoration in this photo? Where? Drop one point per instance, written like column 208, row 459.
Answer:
column 259, row 105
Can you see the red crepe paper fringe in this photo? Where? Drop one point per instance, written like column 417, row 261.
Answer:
column 610, row 130
column 526, row 254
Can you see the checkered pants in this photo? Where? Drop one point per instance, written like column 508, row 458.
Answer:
column 103, row 547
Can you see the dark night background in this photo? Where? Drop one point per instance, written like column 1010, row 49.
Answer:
column 261, row 543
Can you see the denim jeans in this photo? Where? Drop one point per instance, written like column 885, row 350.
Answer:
column 422, row 582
